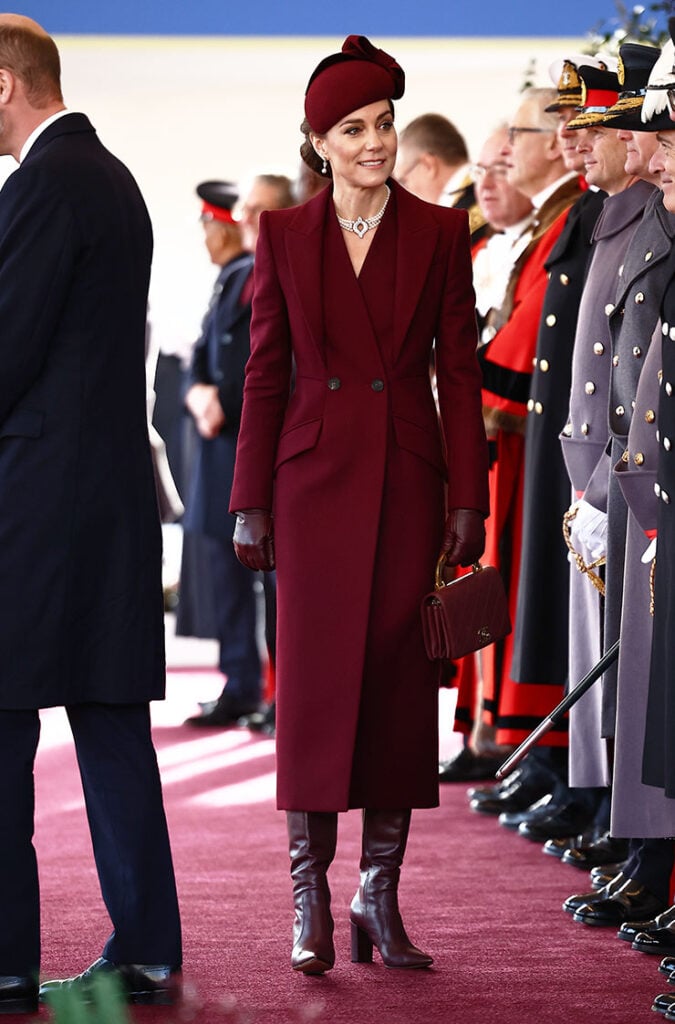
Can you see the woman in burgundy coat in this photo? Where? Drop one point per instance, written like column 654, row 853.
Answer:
column 340, row 481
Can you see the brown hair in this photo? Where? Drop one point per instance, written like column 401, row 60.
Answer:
column 34, row 59
column 283, row 186
column 433, row 133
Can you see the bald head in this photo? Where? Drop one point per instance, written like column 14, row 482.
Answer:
column 30, row 55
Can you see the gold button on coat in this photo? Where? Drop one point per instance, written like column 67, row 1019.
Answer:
column 650, row 416
column 638, row 458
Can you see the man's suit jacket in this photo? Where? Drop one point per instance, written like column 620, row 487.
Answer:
column 219, row 358
column 80, row 572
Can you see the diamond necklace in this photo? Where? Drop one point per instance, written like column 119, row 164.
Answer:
column 360, row 226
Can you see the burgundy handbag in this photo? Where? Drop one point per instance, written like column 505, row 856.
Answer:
column 466, row 614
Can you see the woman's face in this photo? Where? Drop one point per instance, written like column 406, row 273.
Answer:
column 361, row 147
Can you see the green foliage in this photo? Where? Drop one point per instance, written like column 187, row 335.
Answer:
column 102, row 1003
column 636, row 24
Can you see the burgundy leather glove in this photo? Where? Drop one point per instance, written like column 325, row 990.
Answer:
column 464, row 536
column 253, row 539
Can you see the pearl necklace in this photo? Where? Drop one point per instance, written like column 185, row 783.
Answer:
column 360, row 226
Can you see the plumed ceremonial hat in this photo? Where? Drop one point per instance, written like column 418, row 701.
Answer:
column 360, row 74
column 600, row 91
column 655, row 110
column 635, row 65
column 218, row 200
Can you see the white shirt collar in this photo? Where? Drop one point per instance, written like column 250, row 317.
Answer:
column 38, row 131
column 540, row 198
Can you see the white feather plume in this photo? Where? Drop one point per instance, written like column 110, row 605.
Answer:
column 656, row 100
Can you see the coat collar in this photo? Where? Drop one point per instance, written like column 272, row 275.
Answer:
column 416, row 241
column 66, row 125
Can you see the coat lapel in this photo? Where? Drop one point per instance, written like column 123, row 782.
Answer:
column 304, row 249
column 416, row 243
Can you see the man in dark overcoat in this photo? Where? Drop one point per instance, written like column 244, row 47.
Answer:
column 80, row 572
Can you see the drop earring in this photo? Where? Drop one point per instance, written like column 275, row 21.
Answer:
column 324, row 168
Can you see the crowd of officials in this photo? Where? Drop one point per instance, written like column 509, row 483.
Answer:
column 347, row 382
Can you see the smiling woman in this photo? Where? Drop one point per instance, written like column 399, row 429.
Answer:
column 339, row 452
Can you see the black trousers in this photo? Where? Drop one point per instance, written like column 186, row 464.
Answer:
column 123, row 797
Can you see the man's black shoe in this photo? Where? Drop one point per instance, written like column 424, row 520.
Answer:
column 604, row 873
column 469, row 767
column 600, row 851
column 564, row 820
column 18, row 994
column 260, row 721
column 518, row 797
column 222, row 713
column 630, row 929
column 139, row 983
column 572, row 903
column 632, row 902
column 539, row 809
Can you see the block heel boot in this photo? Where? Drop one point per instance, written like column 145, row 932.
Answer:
column 375, row 917
column 311, row 845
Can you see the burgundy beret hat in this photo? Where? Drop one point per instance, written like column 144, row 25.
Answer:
column 360, row 74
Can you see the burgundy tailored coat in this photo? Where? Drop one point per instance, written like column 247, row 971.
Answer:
column 341, row 439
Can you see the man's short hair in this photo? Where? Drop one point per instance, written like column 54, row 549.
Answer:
column 34, row 59
column 283, row 186
column 435, row 134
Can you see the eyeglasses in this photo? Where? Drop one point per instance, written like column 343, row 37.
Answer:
column 513, row 131
column 479, row 171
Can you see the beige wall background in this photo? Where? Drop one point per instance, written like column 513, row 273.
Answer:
column 181, row 110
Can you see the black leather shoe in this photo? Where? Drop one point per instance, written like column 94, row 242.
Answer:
column 564, row 821
column 667, row 965
column 631, row 929
column 260, row 721
column 572, row 903
column 518, row 797
column 658, row 941
column 469, row 767
column 223, row 713
column 603, row 874
column 490, row 791
column 559, row 847
column 18, row 994
column 664, row 1003
column 631, row 902
column 539, row 809
column 140, row 983
column 600, row 851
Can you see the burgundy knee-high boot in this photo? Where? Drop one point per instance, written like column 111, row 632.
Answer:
column 375, row 917
column 312, row 836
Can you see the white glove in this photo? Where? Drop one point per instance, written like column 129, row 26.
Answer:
column 650, row 553
column 589, row 530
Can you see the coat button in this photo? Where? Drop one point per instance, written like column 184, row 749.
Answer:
column 640, row 297
column 648, row 255
column 564, row 279
column 619, row 410
column 377, row 384
column 551, row 320
column 657, row 490
column 589, row 387
column 609, row 308
column 567, row 430
column 666, row 444
column 625, row 456
column 544, row 365
column 665, row 327
column 585, row 429
column 335, row 384
column 671, row 333
column 665, row 497
column 650, row 416
column 668, row 388
column 615, row 360
column 598, row 348
column 530, row 404
column 538, row 408
column 638, row 458
column 637, row 351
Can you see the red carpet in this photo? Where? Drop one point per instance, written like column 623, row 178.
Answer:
column 484, row 902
